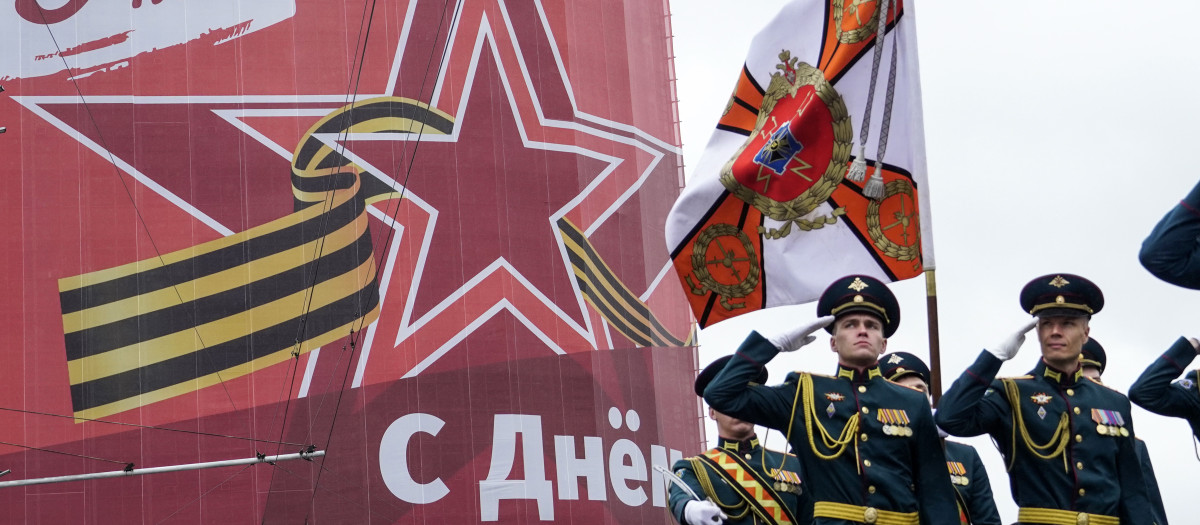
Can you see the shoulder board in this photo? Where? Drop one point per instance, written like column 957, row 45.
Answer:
column 1026, row 376
column 1113, row 390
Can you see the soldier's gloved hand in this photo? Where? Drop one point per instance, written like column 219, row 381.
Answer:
column 1007, row 348
column 703, row 513
column 794, row 338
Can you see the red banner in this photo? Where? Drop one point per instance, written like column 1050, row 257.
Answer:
column 315, row 222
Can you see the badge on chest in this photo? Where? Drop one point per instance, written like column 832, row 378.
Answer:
column 1109, row 423
column 895, row 422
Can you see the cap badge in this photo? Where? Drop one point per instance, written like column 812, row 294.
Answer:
column 858, row 299
column 1059, row 300
column 857, row 285
column 1059, row 282
column 895, row 359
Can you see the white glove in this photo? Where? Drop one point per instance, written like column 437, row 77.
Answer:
column 794, row 338
column 703, row 513
column 1007, row 349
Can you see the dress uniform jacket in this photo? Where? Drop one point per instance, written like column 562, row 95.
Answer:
column 1067, row 440
column 1172, row 251
column 1155, row 392
column 1152, row 492
column 970, row 479
column 868, row 447
column 779, row 473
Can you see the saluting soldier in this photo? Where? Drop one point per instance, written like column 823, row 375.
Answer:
column 1068, row 441
column 742, row 482
column 1172, row 251
column 967, row 473
column 1154, row 390
column 1094, row 359
column 868, row 447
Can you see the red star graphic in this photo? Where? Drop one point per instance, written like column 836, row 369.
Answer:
column 522, row 158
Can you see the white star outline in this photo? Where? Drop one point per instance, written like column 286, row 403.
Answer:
column 644, row 142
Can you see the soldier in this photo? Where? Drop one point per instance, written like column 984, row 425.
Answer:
column 868, row 447
column 1093, row 359
column 1068, row 441
column 1172, row 251
column 967, row 474
column 743, row 483
column 1155, row 392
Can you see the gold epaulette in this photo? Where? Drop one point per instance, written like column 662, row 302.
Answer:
column 1026, row 376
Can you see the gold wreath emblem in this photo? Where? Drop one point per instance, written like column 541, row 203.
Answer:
column 865, row 28
column 747, row 274
column 906, row 216
column 794, row 74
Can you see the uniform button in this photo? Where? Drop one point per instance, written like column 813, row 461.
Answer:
column 1079, row 465
column 871, row 489
column 1078, row 438
column 866, row 462
column 1076, row 410
column 862, row 389
column 864, row 436
column 1070, row 391
column 1082, row 492
column 747, row 456
column 866, row 410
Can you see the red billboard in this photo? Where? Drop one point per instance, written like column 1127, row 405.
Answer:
column 421, row 237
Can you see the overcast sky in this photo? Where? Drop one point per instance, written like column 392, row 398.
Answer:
column 1058, row 133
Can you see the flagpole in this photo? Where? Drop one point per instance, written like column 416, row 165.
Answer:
column 935, row 357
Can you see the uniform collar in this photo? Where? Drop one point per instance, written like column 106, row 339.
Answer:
column 856, row 375
column 1056, row 376
column 740, row 447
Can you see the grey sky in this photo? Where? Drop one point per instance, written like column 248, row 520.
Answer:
column 1057, row 134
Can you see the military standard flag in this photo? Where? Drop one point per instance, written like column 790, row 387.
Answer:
column 816, row 168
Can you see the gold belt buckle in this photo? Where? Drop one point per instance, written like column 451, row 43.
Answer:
column 1082, row 519
column 870, row 515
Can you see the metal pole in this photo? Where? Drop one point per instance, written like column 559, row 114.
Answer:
column 935, row 353
column 168, row 468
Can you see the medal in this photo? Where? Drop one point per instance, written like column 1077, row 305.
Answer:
column 1102, row 430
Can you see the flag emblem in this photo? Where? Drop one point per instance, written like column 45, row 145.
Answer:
column 788, row 172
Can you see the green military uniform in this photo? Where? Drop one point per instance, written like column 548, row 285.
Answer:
column 1155, row 392
column 967, row 473
column 970, row 480
column 1093, row 355
column 751, row 484
column 1172, row 250
column 868, row 448
column 1068, row 441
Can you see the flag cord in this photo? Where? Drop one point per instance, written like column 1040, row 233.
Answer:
column 858, row 169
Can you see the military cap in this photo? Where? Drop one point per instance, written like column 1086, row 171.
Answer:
column 860, row 294
column 1093, row 355
column 1061, row 294
column 706, row 376
column 899, row 364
